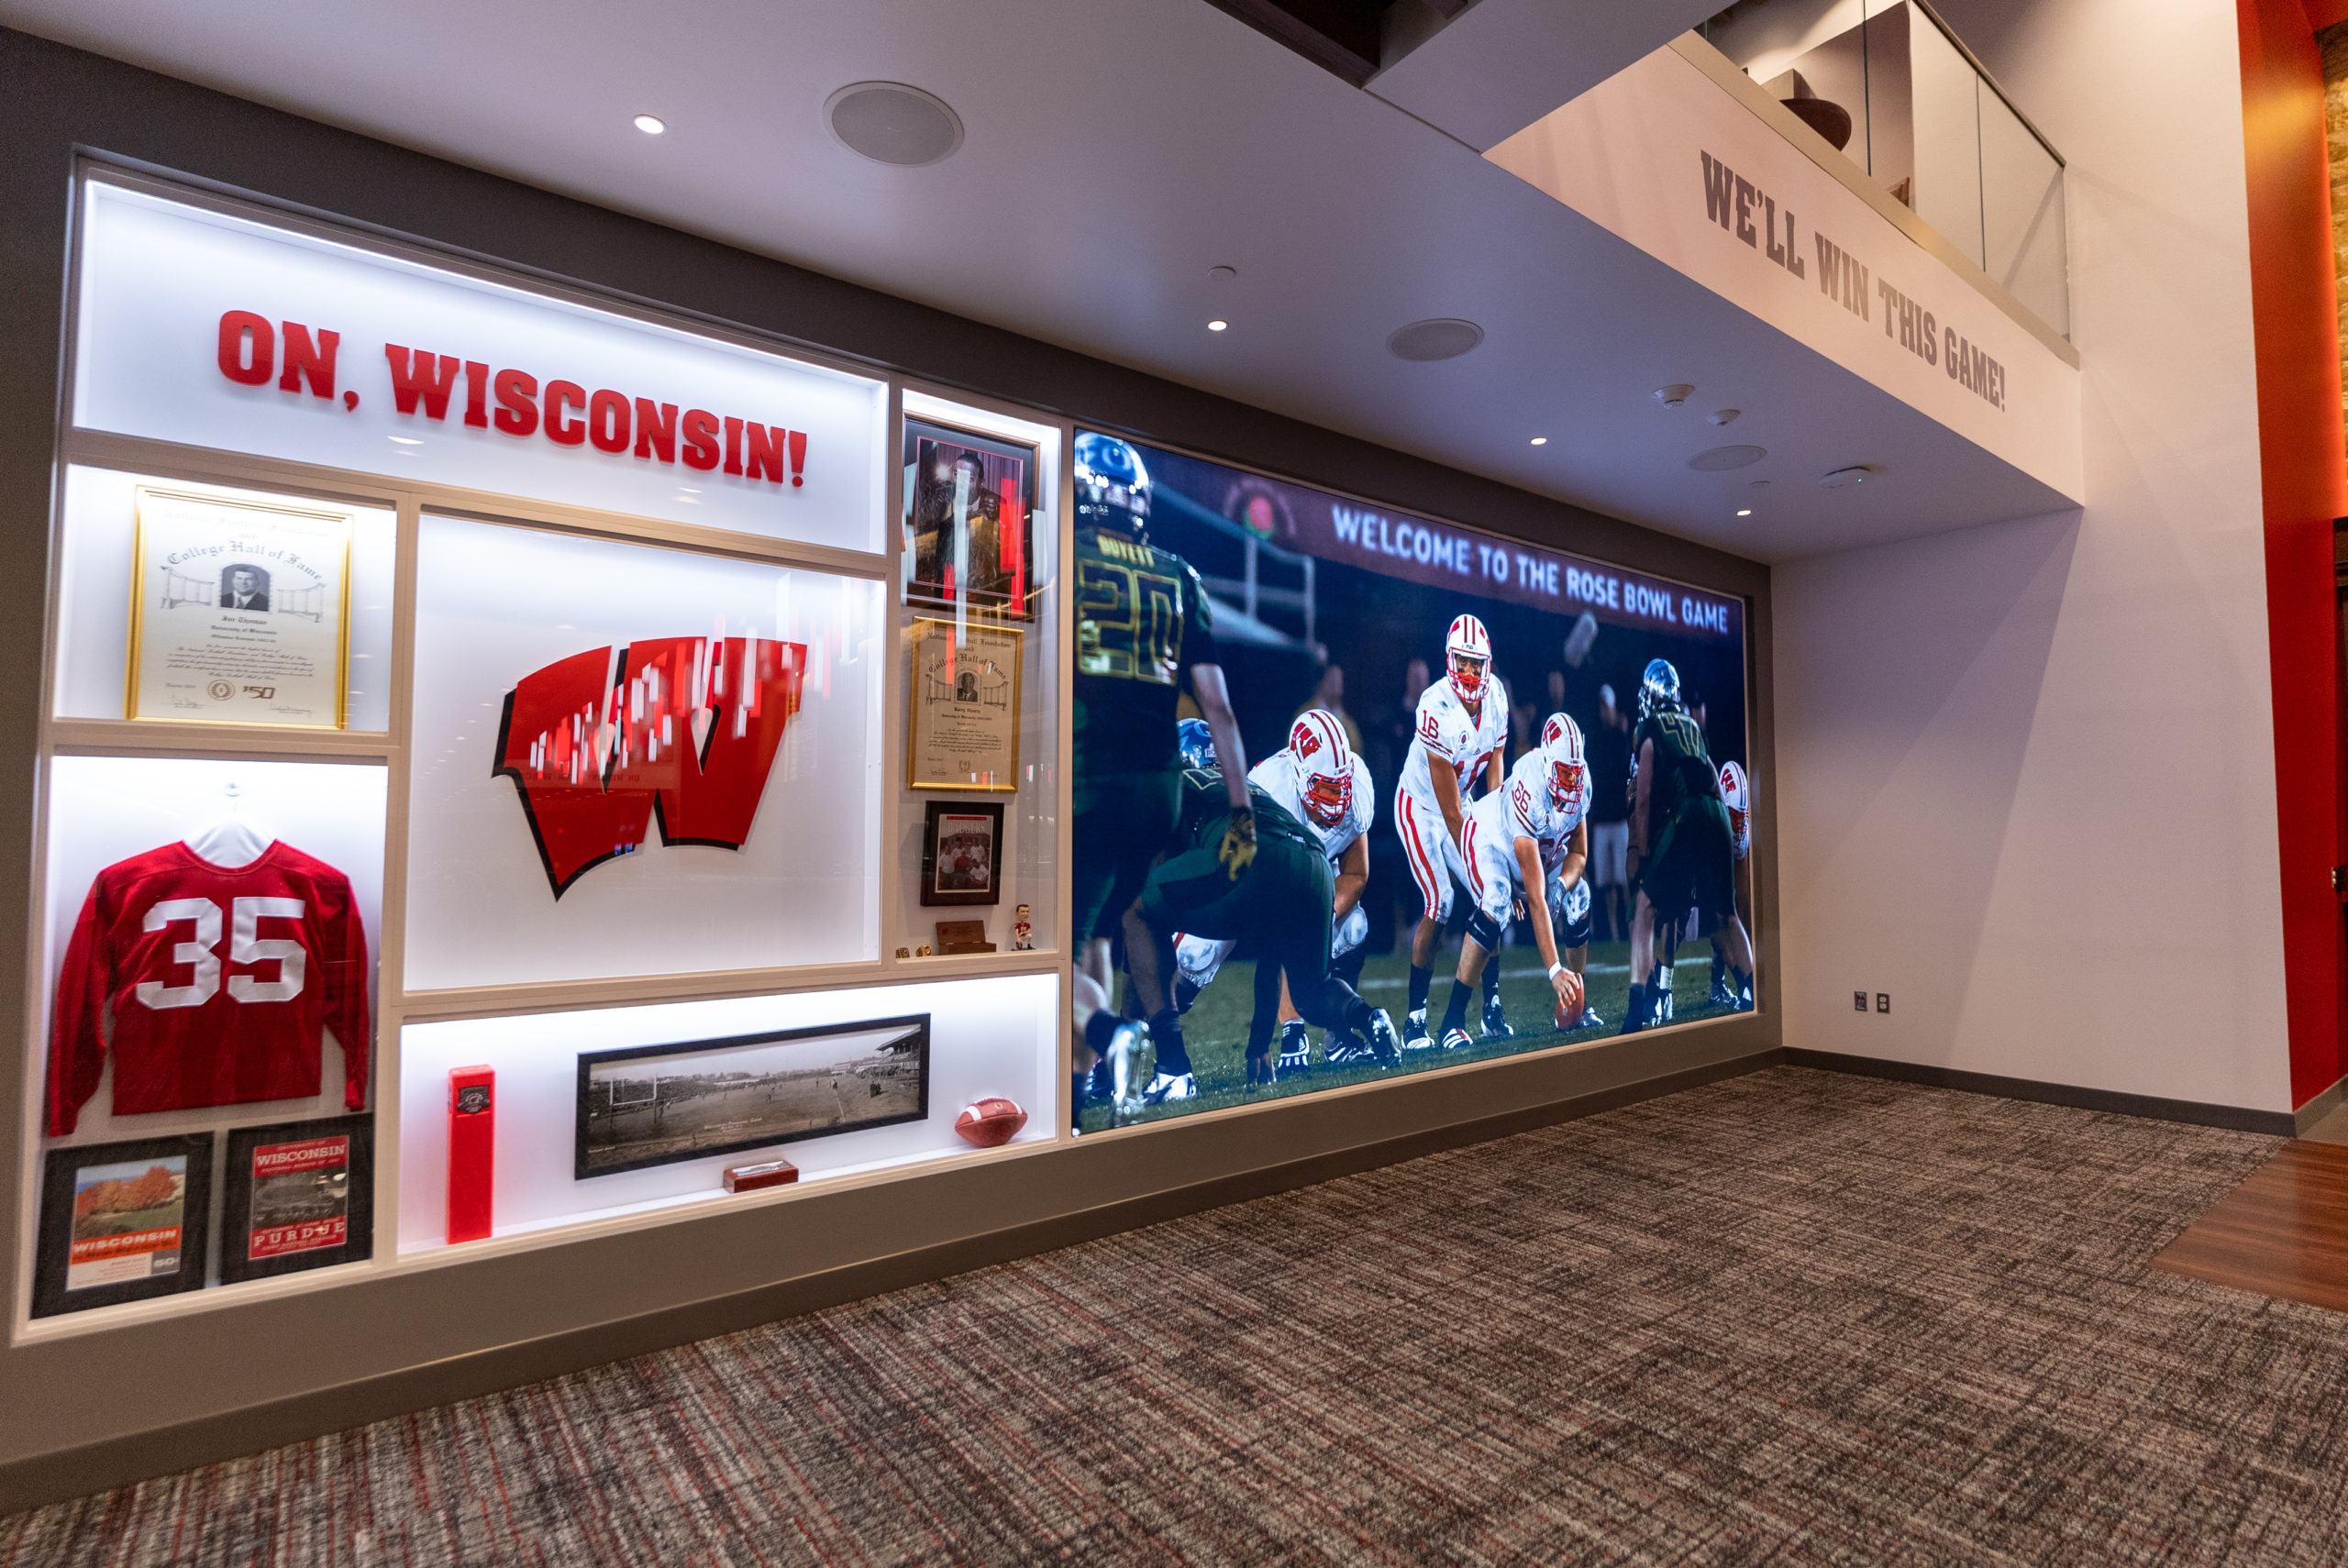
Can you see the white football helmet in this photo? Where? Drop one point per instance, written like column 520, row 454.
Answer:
column 1739, row 796
column 1325, row 765
column 1467, row 654
column 1563, row 760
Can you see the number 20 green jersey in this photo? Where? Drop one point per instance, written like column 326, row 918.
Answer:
column 1141, row 620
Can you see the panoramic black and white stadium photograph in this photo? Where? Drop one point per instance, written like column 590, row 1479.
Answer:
column 654, row 1105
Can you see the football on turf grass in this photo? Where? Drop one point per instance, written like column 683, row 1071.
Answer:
column 1569, row 1013
column 988, row 1123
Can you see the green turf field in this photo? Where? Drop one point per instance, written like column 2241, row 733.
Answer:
column 1215, row 1028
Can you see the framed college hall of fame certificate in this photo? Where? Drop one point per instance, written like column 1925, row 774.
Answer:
column 963, row 724
column 240, row 612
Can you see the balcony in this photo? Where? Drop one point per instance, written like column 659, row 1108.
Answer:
column 1894, row 91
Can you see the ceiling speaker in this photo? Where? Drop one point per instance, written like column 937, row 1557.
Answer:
column 1718, row 459
column 1438, row 337
column 892, row 123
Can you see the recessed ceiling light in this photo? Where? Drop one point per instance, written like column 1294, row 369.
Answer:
column 1217, row 325
column 650, row 125
column 1744, row 512
column 1437, row 338
column 1540, row 440
column 892, row 123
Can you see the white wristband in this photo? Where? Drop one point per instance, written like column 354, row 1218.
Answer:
column 1556, row 969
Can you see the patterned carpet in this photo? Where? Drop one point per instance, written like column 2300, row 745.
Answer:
column 1795, row 1318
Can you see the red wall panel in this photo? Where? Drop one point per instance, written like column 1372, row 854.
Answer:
column 2303, row 462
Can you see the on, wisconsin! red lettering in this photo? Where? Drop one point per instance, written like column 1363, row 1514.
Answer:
column 253, row 350
column 568, row 414
column 686, row 728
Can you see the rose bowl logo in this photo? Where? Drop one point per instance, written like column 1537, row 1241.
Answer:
column 681, row 728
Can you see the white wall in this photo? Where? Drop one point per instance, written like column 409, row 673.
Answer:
column 2026, row 770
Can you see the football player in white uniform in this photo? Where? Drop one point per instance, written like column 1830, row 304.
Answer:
column 1322, row 783
column 1528, row 844
column 1462, row 732
column 1737, row 791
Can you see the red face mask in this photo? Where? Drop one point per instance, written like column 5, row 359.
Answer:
column 1468, row 676
column 1327, row 797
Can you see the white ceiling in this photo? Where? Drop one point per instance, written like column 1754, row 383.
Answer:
column 1116, row 151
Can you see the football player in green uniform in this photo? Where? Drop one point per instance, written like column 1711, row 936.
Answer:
column 1682, row 849
column 1144, row 634
column 1277, row 905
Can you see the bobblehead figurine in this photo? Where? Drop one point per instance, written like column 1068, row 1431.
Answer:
column 1023, row 934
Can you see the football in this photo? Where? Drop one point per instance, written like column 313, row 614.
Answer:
column 1569, row 1013
column 990, row 1122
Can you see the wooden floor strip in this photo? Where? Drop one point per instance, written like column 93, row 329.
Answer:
column 2282, row 1233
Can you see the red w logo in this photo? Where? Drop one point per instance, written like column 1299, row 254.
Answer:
column 686, row 727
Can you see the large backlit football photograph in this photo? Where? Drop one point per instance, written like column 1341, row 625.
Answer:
column 1360, row 793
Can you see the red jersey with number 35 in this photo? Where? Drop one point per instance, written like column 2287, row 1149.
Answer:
column 219, row 981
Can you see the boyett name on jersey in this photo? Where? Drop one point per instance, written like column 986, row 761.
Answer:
column 255, row 351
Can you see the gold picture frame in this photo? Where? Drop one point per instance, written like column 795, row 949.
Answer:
column 226, row 663
column 962, row 706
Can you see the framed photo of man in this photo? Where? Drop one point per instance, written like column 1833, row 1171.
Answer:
column 962, row 719
column 970, row 522
column 240, row 612
column 961, row 853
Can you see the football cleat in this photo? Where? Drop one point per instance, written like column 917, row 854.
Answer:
column 1122, row 1060
column 1456, row 1040
column 1744, row 1001
column 1353, row 1053
column 1382, row 1038
column 1260, row 1072
column 1496, row 1024
column 1660, row 1014
column 1341, row 1038
column 1167, row 1088
column 1296, row 1048
column 1414, row 1030
column 1589, row 1019
column 1724, row 994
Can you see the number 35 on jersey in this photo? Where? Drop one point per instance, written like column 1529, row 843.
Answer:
column 221, row 982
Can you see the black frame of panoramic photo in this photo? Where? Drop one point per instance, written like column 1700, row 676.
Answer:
column 916, row 1024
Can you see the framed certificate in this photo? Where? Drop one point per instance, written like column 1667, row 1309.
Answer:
column 240, row 612
column 970, row 522
column 122, row 1223
column 963, row 718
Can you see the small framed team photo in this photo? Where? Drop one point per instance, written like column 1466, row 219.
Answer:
column 961, row 853
column 300, row 1195
column 122, row 1223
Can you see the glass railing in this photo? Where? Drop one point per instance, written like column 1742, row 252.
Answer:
column 1888, row 83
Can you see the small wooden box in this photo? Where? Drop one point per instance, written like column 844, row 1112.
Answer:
column 766, row 1172
column 963, row 936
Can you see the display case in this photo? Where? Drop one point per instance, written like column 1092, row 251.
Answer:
column 516, row 767
column 475, row 795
